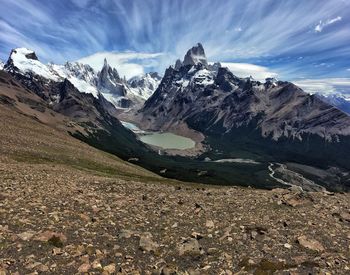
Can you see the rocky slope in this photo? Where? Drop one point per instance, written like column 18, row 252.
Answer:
column 61, row 105
column 68, row 208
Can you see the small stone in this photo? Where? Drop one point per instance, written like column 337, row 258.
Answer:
column 147, row 244
column 253, row 234
column 43, row 268
column 26, row 236
column 109, row 268
column 46, row 236
column 212, row 251
column 84, row 267
column 84, row 217
column 124, row 233
column 197, row 235
column 287, row 245
column 344, row 216
column 96, row 264
column 310, row 244
column 57, row 251
column 209, row 224
column 189, row 247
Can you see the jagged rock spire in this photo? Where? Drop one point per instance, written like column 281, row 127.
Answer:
column 195, row 55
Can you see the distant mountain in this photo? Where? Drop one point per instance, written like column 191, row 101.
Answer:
column 215, row 101
column 61, row 105
column 240, row 118
column 2, row 64
column 336, row 100
column 146, row 84
column 276, row 117
column 106, row 82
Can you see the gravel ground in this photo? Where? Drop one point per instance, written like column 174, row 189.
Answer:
column 67, row 208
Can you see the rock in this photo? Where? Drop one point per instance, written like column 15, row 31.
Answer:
column 147, row 244
column 310, row 243
column 43, row 268
column 198, row 208
column 85, row 267
column 345, row 216
column 197, row 235
column 57, row 251
column 168, row 270
column 96, row 264
column 84, row 217
column 209, row 224
column 189, row 247
column 287, row 245
column 124, row 233
column 295, row 199
column 25, row 236
column 49, row 235
column 253, row 234
column 212, row 251
column 33, row 265
column 109, row 268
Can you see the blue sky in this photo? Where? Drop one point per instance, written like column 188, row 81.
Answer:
column 304, row 41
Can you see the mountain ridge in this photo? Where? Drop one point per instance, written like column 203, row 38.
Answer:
column 106, row 82
column 200, row 88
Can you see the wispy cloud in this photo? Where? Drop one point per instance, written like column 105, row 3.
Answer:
column 326, row 86
column 320, row 26
column 272, row 34
column 245, row 70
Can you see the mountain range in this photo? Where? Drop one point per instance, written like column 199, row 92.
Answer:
column 237, row 118
column 106, row 82
column 214, row 101
column 338, row 101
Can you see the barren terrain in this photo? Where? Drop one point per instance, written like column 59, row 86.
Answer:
column 67, row 208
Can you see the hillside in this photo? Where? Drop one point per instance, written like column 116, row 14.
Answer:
column 67, row 207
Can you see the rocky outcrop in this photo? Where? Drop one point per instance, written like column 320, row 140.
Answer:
column 110, row 82
column 194, row 56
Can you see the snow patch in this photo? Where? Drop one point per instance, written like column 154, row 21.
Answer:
column 25, row 65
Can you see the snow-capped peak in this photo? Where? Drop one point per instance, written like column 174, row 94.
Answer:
column 28, row 54
column 1, row 65
column 145, row 85
column 26, row 61
column 106, row 82
column 271, row 79
column 195, row 55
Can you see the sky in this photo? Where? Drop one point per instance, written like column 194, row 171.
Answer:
column 307, row 42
